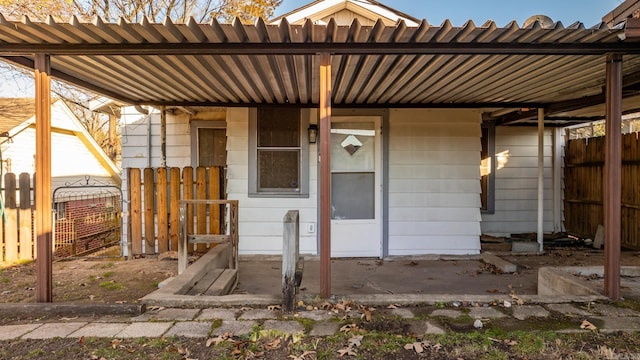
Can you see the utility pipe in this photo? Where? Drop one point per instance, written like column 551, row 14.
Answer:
column 540, row 179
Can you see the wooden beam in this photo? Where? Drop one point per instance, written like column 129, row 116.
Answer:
column 325, row 175
column 612, row 173
column 43, row 223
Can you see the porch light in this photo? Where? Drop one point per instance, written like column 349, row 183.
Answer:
column 313, row 133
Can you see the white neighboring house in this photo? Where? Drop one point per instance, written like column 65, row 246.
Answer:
column 74, row 153
column 405, row 181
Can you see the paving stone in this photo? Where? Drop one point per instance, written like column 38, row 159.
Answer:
column 567, row 309
column 168, row 314
column 485, row 312
column 234, row 327
column 317, row 315
column 453, row 314
column 324, row 329
column 287, row 327
column 258, row 314
column 146, row 329
column 9, row 332
column 527, row 311
column 612, row 324
column 402, row 313
column 190, row 329
column 608, row 310
column 99, row 330
column 54, row 330
column 222, row 314
column 424, row 327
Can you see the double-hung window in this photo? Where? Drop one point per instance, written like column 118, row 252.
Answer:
column 278, row 152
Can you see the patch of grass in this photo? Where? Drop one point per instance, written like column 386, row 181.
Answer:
column 35, row 353
column 108, row 274
column 216, row 324
column 111, row 285
column 92, row 278
column 306, row 323
column 5, row 280
column 384, row 342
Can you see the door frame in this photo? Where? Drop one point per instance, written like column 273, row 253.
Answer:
column 384, row 133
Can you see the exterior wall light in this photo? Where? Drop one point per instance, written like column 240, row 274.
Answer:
column 313, row 133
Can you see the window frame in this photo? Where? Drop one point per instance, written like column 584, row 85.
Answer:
column 303, row 171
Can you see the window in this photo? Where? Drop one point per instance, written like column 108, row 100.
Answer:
column 61, row 210
column 278, row 152
column 488, row 169
column 208, row 143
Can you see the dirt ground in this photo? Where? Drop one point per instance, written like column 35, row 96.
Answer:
column 105, row 280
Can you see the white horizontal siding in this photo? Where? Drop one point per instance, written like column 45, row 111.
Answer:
column 260, row 219
column 516, row 183
column 434, row 201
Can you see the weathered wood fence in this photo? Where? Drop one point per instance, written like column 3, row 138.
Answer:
column 584, row 182
column 16, row 219
column 154, row 195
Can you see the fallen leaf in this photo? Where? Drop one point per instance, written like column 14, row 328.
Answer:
column 218, row 339
column 115, row 343
column 355, row 341
column 81, row 340
column 586, row 325
column 393, row 306
column 274, row 307
column 275, row 344
column 348, row 327
column 300, row 303
column 302, row 356
column 347, row 351
column 416, row 346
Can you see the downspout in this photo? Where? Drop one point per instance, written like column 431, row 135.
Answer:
column 540, row 179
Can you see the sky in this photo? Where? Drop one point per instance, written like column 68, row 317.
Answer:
column 589, row 12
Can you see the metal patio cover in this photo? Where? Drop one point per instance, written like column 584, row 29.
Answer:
column 236, row 64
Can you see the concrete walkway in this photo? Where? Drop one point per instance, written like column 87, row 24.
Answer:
column 204, row 323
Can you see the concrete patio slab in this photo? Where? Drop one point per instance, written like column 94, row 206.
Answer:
column 10, row 332
column 608, row 310
column 259, row 314
column 52, row 330
column 234, row 327
column 99, row 330
column 420, row 328
column 567, row 309
column 612, row 324
column 168, row 314
column 527, row 311
column 486, row 313
column 222, row 314
column 287, row 327
column 144, row 329
column 453, row 314
column 402, row 313
column 190, row 329
column 317, row 315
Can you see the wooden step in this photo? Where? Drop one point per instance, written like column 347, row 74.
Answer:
column 205, row 282
column 224, row 284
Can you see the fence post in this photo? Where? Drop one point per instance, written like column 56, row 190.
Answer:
column 135, row 213
column 182, row 239
column 162, row 210
column 149, row 206
column 290, row 254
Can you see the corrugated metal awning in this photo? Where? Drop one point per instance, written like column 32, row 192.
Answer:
column 374, row 66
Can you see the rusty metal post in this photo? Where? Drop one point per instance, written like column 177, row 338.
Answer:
column 325, row 175
column 612, row 173
column 43, row 223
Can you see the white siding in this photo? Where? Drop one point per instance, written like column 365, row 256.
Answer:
column 434, row 182
column 516, row 182
column 260, row 219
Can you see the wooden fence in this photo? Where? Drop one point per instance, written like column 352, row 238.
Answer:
column 16, row 219
column 583, row 188
column 154, row 195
